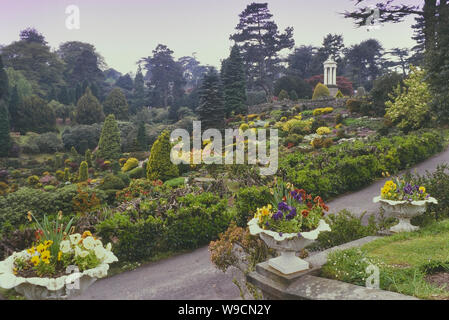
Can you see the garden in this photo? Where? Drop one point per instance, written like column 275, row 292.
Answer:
column 89, row 191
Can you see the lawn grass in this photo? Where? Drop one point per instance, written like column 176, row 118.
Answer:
column 404, row 261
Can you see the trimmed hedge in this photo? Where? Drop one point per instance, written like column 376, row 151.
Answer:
column 351, row 166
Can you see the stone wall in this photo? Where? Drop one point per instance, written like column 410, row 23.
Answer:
column 305, row 104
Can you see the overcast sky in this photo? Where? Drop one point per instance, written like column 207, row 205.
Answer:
column 123, row 31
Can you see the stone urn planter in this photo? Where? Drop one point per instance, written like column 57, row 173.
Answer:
column 51, row 288
column 287, row 245
column 404, row 211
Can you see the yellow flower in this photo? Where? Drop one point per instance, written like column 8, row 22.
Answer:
column 59, row 255
column 86, row 234
column 41, row 248
column 45, row 256
column 31, row 250
column 35, row 260
column 422, row 189
column 48, row 243
column 29, row 216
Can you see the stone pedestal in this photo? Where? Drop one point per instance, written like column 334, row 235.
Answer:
column 333, row 90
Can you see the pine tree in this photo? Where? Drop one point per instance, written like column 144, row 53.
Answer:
column 66, row 174
column 159, row 165
column 116, row 104
column 4, row 84
column 88, row 157
column 211, row 109
column 109, row 146
column 5, row 139
column 234, row 84
column 14, row 107
column 142, row 139
column 89, row 109
column 138, row 100
column 83, row 173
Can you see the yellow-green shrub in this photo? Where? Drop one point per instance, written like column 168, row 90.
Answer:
column 130, row 164
column 321, row 91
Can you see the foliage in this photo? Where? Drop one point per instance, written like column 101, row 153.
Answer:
column 83, row 174
column 283, row 95
column 293, row 85
column 82, row 137
column 109, row 145
column 320, row 91
column 411, row 105
column 130, row 164
column 247, row 201
column 34, row 114
column 5, row 139
column 234, row 84
column 380, row 94
column 349, row 166
column 211, row 110
column 116, row 104
column 89, row 109
column 160, row 166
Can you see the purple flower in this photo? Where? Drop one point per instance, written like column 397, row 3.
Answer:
column 408, row 189
column 278, row 215
column 283, row 206
column 280, row 234
column 299, row 234
column 291, row 215
column 427, row 197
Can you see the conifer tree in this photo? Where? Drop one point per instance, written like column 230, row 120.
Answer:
column 5, row 139
column 211, row 109
column 109, row 146
column 234, row 84
column 89, row 109
column 142, row 139
column 321, row 91
column 116, row 104
column 83, row 174
column 159, row 165
column 4, row 84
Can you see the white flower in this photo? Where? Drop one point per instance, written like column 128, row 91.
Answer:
column 64, row 246
column 75, row 238
column 89, row 243
column 84, row 253
column 98, row 243
column 109, row 247
column 100, row 252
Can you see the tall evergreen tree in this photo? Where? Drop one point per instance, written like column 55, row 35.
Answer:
column 109, row 147
column 260, row 41
column 89, row 109
column 138, row 100
column 211, row 110
column 234, row 84
column 142, row 139
column 4, row 84
column 116, row 104
column 14, row 107
column 5, row 139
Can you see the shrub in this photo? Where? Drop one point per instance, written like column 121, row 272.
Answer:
column 410, row 107
column 323, row 131
column 320, row 91
column 345, row 227
column 293, row 139
column 380, row 94
column 176, row 182
column 133, row 240
column 66, row 174
column 89, row 109
column 82, row 137
column 247, row 202
column 130, row 164
column 339, row 95
column 353, row 105
column 136, row 173
column 83, row 174
column 33, row 180
column 200, row 219
column 320, row 111
column 283, row 95
column 160, row 166
column 109, row 144
column 59, row 175
column 112, row 182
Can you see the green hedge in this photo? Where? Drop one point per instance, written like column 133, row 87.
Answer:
column 351, row 166
column 197, row 220
column 247, row 202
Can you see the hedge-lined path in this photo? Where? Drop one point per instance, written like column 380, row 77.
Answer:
column 192, row 276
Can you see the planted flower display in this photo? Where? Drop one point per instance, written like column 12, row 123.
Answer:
column 58, row 265
column 404, row 200
column 291, row 222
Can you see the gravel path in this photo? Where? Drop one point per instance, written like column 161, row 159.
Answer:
column 192, row 276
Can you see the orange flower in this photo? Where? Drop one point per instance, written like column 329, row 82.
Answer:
column 86, row 234
column 305, row 213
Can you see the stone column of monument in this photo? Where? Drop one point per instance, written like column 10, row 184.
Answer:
column 330, row 76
